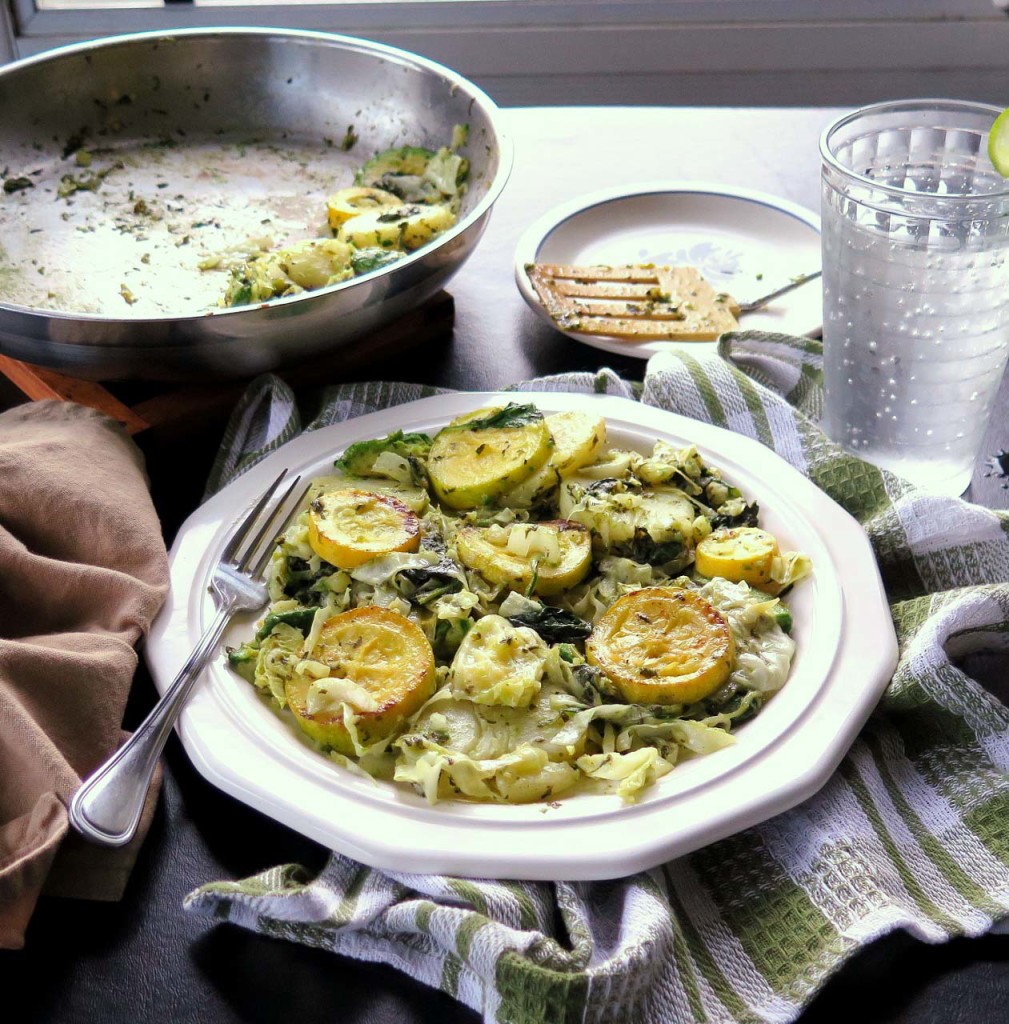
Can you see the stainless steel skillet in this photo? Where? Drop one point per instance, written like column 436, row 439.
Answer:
column 137, row 169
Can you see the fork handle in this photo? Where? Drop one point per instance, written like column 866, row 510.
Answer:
column 107, row 808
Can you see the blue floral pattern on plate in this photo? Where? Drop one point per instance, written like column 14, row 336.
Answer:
column 710, row 259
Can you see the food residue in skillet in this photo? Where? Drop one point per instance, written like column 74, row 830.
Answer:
column 166, row 219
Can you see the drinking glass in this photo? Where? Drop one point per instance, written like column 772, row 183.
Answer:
column 915, row 239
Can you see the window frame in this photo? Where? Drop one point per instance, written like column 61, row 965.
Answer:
column 39, row 19
column 750, row 51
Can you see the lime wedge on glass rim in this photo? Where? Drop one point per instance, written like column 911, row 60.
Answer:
column 998, row 144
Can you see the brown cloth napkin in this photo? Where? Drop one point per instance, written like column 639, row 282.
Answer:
column 83, row 570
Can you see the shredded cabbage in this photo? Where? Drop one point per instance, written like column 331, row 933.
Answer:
column 443, row 171
column 633, row 771
column 278, row 654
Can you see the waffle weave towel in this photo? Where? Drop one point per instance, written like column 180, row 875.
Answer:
column 911, row 832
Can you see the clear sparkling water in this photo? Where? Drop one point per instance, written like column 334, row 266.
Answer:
column 916, row 336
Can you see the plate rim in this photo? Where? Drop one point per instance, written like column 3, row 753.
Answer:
column 532, row 239
column 454, row 845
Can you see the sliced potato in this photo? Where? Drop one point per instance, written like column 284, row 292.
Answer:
column 549, row 557
column 498, row 663
column 348, row 527
column 381, row 671
column 578, row 436
column 315, row 263
column 304, row 266
column 351, row 202
column 666, row 513
column 662, row 645
column 744, row 553
column 400, row 227
column 616, row 515
column 539, row 488
column 489, row 731
column 480, row 456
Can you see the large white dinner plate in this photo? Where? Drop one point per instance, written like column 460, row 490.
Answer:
column 744, row 242
column 846, row 653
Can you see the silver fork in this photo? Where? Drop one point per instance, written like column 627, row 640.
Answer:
column 107, row 808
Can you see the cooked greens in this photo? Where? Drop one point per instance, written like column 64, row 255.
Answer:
column 300, row 618
column 554, row 625
column 372, row 458
column 364, row 261
column 512, row 415
column 415, row 174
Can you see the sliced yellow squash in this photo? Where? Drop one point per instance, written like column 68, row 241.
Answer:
column 415, row 498
column 351, row 202
column 662, row 645
column 547, row 557
column 348, row 527
column 479, row 456
column 578, row 436
column 381, row 671
column 399, row 227
column 577, row 440
column 744, row 553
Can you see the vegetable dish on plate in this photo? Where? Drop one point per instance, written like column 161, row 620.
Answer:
column 514, row 611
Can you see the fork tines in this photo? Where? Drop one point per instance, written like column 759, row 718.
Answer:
column 254, row 555
column 634, row 303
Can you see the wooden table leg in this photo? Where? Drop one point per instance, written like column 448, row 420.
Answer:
column 37, row 382
column 183, row 403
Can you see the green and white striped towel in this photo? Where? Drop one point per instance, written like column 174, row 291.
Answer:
column 911, row 832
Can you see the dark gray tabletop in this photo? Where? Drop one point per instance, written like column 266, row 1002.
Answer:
column 144, row 960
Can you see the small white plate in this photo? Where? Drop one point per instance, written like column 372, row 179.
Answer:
column 746, row 243
column 846, row 654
